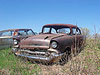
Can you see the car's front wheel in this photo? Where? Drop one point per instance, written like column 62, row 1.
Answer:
column 65, row 57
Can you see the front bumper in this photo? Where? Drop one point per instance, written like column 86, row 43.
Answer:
column 39, row 56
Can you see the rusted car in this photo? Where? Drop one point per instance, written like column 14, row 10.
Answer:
column 6, row 36
column 54, row 42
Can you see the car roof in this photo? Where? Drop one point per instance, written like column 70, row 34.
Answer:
column 13, row 30
column 64, row 25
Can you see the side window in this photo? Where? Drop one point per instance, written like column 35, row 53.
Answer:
column 12, row 32
column 76, row 31
column 0, row 33
column 8, row 33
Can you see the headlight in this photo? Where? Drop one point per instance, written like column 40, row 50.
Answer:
column 54, row 44
column 15, row 42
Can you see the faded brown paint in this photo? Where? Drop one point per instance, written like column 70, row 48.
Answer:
column 43, row 41
column 66, row 25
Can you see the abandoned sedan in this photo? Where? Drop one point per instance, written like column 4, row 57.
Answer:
column 6, row 36
column 55, row 41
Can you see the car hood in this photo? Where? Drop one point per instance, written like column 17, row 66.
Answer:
column 42, row 40
column 46, row 36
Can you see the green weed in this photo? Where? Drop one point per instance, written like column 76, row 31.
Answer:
column 10, row 63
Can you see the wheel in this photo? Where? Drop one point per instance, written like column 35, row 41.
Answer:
column 65, row 57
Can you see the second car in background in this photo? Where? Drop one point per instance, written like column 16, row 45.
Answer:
column 6, row 36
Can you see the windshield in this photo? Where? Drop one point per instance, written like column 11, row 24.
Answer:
column 25, row 32
column 56, row 30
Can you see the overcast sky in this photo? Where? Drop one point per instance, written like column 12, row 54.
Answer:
column 36, row 13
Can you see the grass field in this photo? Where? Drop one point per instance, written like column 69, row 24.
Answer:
column 11, row 65
column 85, row 63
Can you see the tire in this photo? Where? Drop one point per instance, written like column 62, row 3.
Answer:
column 65, row 57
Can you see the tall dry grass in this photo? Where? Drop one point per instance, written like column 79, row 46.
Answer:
column 85, row 63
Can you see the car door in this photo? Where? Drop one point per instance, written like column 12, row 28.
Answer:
column 78, row 37
column 6, row 39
